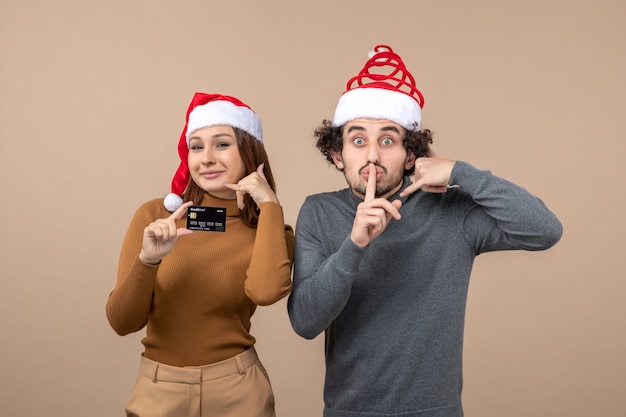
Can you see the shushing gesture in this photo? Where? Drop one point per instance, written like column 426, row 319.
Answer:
column 373, row 214
column 432, row 174
column 160, row 236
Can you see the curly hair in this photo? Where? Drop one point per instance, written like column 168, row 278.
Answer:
column 330, row 140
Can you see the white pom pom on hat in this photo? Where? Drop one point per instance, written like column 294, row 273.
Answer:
column 172, row 202
column 383, row 89
column 207, row 110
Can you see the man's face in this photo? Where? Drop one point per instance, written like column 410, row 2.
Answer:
column 368, row 141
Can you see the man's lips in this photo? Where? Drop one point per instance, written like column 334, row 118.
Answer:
column 366, row 173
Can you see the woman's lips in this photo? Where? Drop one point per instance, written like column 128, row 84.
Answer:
column 211, row 174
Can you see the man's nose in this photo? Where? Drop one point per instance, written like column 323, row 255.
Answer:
column 373, row 153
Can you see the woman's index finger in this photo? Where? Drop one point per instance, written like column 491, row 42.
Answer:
column 180, row 211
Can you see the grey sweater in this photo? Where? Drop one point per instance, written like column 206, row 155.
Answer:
column 394, row 312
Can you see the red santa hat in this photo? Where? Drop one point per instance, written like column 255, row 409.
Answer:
column 208, row 110
column 384, row 89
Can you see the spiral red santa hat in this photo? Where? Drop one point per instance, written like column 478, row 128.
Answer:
column 383, row 89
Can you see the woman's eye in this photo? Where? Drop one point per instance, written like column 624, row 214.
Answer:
column 195, row 147
column 222, row 145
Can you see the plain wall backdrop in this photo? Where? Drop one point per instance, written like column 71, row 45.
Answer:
column 92, row 101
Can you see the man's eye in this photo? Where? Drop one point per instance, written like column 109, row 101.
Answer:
column 387, row 141
column 358, row 141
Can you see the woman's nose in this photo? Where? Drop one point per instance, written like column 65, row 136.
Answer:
column 208, row 157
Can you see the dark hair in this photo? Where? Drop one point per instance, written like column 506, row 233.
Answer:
column 330, row 140
column 252, row 154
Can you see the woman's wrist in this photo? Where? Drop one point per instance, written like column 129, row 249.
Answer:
column 147, row 261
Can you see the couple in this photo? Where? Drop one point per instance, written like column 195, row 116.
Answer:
column 387, row 283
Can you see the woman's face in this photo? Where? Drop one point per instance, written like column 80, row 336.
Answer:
column 214, row 159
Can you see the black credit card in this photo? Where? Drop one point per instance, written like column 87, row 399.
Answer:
column 209, row 219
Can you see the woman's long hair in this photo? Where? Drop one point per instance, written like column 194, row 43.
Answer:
column 252, row 154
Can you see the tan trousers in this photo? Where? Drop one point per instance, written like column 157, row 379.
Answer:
column 236, row 387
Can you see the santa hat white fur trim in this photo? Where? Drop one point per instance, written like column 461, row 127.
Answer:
column 222, row 112
column 378, row 103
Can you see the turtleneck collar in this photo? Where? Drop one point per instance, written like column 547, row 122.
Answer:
column 231, row 205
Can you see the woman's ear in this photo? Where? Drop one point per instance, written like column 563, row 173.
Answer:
column 337, row 159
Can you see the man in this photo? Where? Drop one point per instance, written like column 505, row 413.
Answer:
column 383, row 266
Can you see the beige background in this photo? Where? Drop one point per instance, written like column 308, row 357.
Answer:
column 92, row 101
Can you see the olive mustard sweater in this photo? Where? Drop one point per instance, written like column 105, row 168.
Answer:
column 197, row 303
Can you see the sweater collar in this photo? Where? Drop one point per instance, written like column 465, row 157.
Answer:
column 231, row 205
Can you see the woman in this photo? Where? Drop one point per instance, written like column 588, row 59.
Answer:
column 196, row 290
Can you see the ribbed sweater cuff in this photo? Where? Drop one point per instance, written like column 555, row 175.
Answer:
column 349, row 256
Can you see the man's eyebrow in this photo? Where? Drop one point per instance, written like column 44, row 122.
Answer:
column 355, row 127
column 390, row 128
